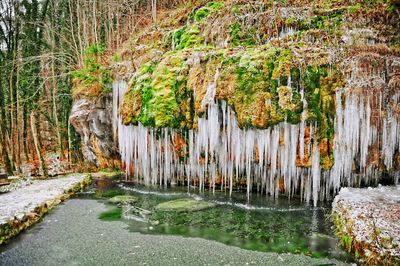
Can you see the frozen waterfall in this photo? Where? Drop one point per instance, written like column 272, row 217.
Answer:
column 269, row 161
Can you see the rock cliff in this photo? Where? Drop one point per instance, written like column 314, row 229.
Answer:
column 291, row 97
column 92, row 119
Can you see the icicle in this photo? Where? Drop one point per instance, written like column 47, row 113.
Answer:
column 220, row 150
column 390, row 139
column 316, row 173
column 249, row 137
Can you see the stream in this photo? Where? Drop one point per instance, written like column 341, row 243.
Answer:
column 89, row 230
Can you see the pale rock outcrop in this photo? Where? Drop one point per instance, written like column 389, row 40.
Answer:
column 92, row 119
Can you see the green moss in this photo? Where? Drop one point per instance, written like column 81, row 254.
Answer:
column 255, row 71
column 235, row 10
column 113, row 214
column 251, row 73
column 123, row 199
column 136, row 100
column 206, row 10
column 143, row 86
column 293, row 117
column 108, row 193
column 184, row 205
column 240, row 37
column 318, row 22
column 117, row 58
column 188, row 37
column 254, row 82
column 169, row 81
column 158, row 93
column 93, row 78
column 329, row 21
column 354, row 9
column 201, row 13
column 322, row 104
column 326, row 162
column 311, row 82
column 283, row 64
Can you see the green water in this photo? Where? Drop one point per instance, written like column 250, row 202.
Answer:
column 260, row 223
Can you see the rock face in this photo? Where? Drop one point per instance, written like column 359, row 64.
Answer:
column 91, row 118
column 302, row 100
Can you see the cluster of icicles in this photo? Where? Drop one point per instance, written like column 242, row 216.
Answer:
column 221, row 152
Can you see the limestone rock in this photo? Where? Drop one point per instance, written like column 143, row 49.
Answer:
column 92, row 119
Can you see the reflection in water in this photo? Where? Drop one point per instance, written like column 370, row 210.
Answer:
column 277, row 225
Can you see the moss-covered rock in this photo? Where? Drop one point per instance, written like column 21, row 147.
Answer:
column 123, row 199
column 157, row 95
column 269, row 62
column 184, row 205
column 170, row 93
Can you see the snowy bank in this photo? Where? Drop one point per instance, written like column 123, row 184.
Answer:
column 367, row 221
column 23, row 207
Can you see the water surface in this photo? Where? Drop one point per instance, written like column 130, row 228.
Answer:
column 260, row 223
column 88, row 230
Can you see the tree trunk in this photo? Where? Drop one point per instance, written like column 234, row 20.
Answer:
column 42, row 166
column 3, row 145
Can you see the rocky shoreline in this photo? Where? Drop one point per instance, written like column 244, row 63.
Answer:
column 367, row 222
column 25, row 206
